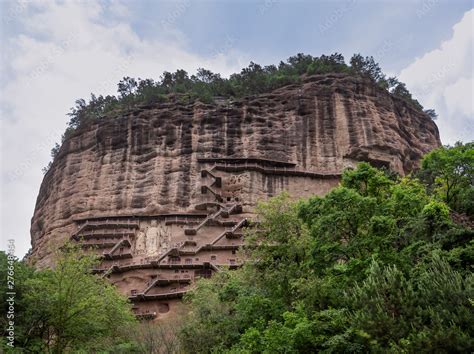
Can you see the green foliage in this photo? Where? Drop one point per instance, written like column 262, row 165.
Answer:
column 67, row 308
column 431, row 113
column 401, row 91
column 433, row 298
column 376, row 265
column 367, row 67
column 211, row 323
column 435, row 213
column 367, row 181
column 21, row 275
column 407, row 198
column 449, row 171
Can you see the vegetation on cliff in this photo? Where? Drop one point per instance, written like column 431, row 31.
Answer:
column 376, row 265
column 205, row 86
column 252, row 80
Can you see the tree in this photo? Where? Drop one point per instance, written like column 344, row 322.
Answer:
column 400, row 90
column 367, row 180
column 300, row 62
column 427, row 310
column 69, row 308
column 450, row 171
column 77, row 114
column 55, row 150
column 206, row 76
column 127, row 86
column 156, row 337
column 367, row 67
column 431, row 113
column 47, row 167
column 392, row 82
column 149, row 92
column 22, row 323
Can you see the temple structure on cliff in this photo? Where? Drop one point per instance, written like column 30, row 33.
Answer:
column 162, row 193
column 156, row 258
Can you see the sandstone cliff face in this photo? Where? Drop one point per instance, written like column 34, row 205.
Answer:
column 147, row 162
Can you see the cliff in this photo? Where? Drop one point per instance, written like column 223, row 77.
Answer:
column 191, row 160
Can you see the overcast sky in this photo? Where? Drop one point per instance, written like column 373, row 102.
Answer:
column 54, row 52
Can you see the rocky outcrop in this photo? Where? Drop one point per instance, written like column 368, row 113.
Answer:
column 165, row 159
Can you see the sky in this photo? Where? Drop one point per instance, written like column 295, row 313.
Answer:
column 54, row 52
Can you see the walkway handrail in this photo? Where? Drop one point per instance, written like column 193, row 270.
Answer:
column 278, row 170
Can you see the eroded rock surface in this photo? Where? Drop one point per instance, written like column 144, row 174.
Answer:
column 166, row 159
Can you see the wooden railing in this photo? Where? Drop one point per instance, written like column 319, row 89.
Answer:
column 244, row 160
column 213, row 192
column 217, row 179
column 109, row 223
column 100, row 243
column 209, row 246
column 179, row 220
column 194, row 230
column 227, row 210
column 105, row 233
column 289, row 171
column 230, row 230
column 182, row 279
column 110, row 254
column 168, row 295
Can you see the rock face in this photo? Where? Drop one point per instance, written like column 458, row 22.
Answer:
column 163, row 191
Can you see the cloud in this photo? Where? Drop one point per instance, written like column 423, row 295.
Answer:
column 442, row 79
column 58, row 52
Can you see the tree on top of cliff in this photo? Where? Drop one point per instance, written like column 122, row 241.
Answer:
column 252, row 80
column 367, row 66
column 205, row 85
